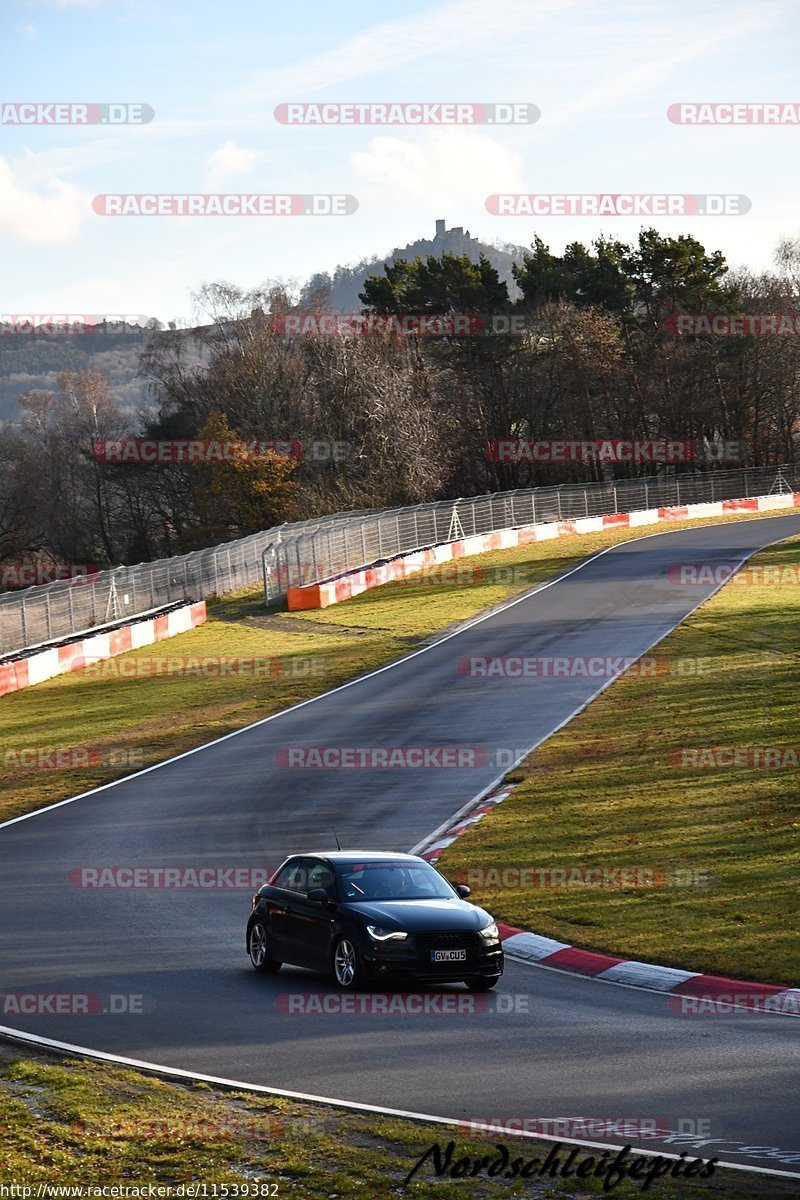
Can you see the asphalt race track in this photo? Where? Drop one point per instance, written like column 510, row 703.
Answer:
column 543, row 1045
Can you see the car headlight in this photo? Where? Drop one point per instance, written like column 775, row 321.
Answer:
column 490, row 933
column 378, row 934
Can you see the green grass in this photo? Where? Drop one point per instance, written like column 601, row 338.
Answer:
column 740, row 828
column 154, row 716
column 603, row 774
column 607, row 792
column 74, row 1122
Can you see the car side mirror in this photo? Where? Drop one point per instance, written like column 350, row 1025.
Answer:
column 463, row 890
column 319, row 895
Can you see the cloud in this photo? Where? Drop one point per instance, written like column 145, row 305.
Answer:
column 230, row 161
column 446, row 30
column 50, row 219
column 657, row 64
column 447, row 167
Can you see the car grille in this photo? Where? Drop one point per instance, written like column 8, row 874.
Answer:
column 426, row 942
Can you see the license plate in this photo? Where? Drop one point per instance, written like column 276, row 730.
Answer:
column 441, row 956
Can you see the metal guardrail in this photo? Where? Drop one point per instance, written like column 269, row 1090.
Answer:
column 337, row 545
column 40, row 615
column 309, row 551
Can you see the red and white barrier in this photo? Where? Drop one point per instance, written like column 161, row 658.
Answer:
column 703, row 993
column 20, row 673
column 352, row 583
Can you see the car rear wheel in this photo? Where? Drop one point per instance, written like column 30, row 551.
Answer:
column 258, row 949
column 347, row 967
column 481, row 983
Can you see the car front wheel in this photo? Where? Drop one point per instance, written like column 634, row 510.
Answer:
column 258, row 948
column 347, row 967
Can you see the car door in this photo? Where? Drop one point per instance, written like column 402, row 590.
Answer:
column 308, row 924
column 284, row 892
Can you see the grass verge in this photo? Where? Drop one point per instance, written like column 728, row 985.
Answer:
column 74, row 1122
column 637, row 781
column 145, row 706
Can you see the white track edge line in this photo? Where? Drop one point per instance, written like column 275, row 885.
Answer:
column 8, row 1032
column 443, row 828
column 395, row 663
column 178, row 1073
column 311, row 699
column 636, row 987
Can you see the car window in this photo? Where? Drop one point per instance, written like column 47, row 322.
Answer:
column 292, row 877
column 320, row 875
column 392, row 881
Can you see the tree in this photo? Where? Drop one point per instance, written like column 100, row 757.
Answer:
column 452, row 283
column 242, row 491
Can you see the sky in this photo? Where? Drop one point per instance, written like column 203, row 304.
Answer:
column 601, row 72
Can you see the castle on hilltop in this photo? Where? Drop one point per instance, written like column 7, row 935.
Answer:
column 448, row 235
column 340, row 290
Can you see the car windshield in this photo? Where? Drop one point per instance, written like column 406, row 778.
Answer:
column 392, row 881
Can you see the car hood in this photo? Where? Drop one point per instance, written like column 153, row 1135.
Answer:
column 416, row 916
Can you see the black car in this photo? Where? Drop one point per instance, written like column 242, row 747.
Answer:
column 367, row 916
